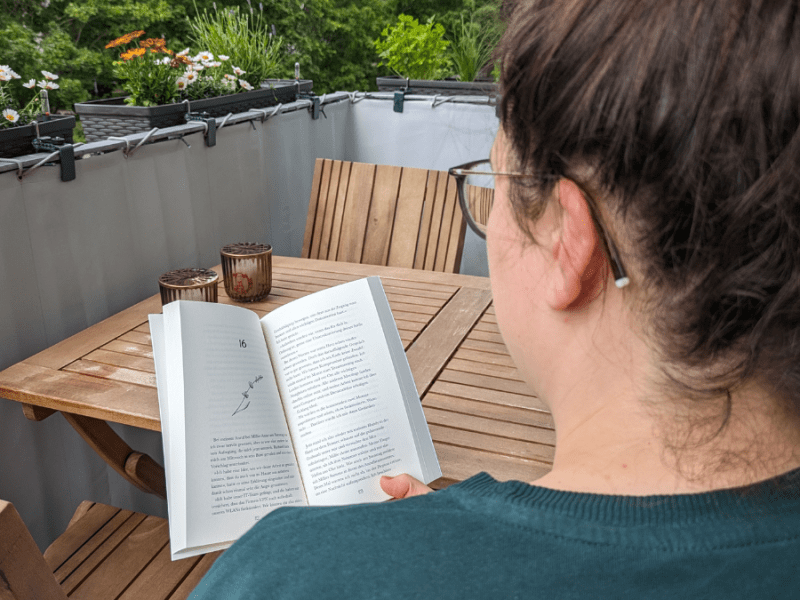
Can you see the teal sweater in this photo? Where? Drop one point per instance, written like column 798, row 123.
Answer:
column 486, row 539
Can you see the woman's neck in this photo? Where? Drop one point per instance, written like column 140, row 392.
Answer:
column 622, row 445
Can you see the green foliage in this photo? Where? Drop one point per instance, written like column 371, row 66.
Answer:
column 332, row 40
column 30, row 53
column 242, row 35
column 472, row 47
column 414, row 51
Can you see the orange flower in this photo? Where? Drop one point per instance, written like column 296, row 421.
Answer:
column 153, row 43
column 124, row 39
column 179, row 60
column 133, row 53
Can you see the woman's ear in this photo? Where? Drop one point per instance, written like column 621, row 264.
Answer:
column 577, row 254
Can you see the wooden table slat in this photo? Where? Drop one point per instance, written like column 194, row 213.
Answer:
column 137, row 337
column 441, row 338
column 484, row 357
column 111, row 372
column 488, row 426
column 492, row 444
column 485, row 394
column 82, row 343
column 489, row 410
column 485, row 381
column 487, row 368
column 459, row 463
column 119, row 359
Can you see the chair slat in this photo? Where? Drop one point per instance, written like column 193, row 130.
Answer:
column 64, row 548
column 449, row 208
column 343, row 171
column 436, row 223
column 423, row 237
column 313, row 210
column 410, row 201
column 331, row 181
column 381, row 215
column 121, row 566
column 354, row 220
column 458, row 229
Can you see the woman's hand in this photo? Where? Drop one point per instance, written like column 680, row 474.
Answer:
column 403, row 486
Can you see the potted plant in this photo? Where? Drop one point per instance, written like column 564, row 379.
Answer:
column 423, row 59
column 163, row 85
column 19, row 126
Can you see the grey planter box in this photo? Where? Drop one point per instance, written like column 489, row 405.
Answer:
column 443, row 87
column 112, row 117
column 18, row 141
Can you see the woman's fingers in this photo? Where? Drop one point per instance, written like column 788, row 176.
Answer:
column 403, row 486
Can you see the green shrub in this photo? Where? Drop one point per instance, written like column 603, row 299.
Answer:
column 241, row 34
column 472, row 47
column 414, row 51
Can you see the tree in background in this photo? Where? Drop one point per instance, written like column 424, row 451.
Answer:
column 332, row 40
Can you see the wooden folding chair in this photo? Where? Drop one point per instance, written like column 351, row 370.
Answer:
column 384, row 215
column 105, row 553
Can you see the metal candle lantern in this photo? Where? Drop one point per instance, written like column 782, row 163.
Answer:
column 247, row 271
column 188, row 284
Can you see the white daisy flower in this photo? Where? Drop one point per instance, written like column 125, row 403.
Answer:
column 11, row 115
column 49, row 75
column 204, row 57
column 5, row 76
column 197, row 67
column 190, row 76
column 245, row 85
column 4, row 68
column 48, row 85
column 30, row 85
column 229, row 76
column 184, row 52
column 238, row 71
column 182, row 82
column 223, row 58
column 214, row 63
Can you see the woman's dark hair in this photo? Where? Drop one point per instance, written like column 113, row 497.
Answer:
column 686, row 114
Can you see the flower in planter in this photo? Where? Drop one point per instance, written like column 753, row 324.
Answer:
column 152, row 74
column 11, row 115
column 38, row 104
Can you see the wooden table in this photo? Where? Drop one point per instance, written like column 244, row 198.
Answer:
column 482, row 416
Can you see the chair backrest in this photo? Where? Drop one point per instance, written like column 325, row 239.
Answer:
column 384, row 215
column 24, row 574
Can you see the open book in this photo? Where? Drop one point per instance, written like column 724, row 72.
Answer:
column 308, row 406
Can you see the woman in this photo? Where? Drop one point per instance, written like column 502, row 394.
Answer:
column 654, row 143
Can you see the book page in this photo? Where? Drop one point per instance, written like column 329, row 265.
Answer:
column 344, row 404
column 235, row 461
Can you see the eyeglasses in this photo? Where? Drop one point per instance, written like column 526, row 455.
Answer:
column 475, row 181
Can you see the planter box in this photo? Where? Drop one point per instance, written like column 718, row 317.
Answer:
column 112, row 117
column 443, row 87
column 18, row 141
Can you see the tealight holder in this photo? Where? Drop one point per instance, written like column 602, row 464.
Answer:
column 247, row 271
column 188, row 284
